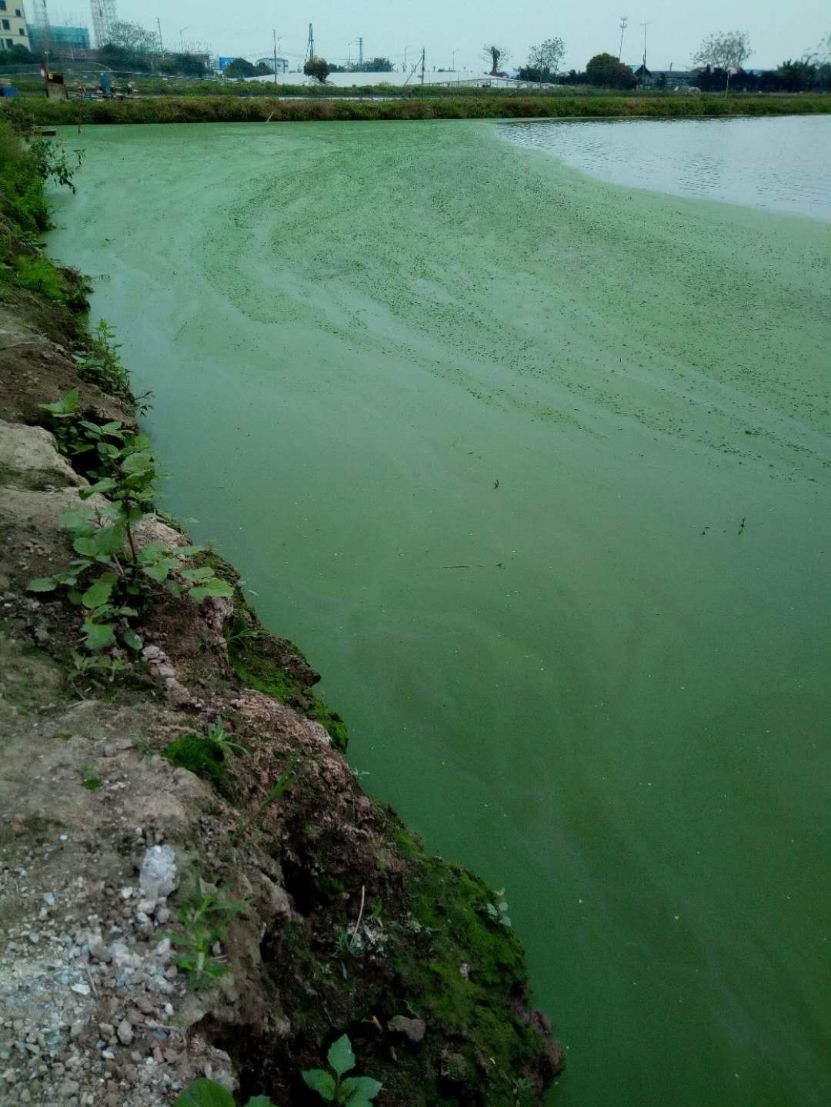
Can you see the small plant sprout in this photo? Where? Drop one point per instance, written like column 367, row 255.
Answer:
column 215, row 732
column 499, row 911
column 208, row 1093
column 334, row 1086
column 205, row 917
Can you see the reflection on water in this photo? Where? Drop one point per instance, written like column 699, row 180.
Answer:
column 779, row 163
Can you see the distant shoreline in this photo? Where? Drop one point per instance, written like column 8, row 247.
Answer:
column 228, row 109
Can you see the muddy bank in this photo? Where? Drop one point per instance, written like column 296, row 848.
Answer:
column 193, row 879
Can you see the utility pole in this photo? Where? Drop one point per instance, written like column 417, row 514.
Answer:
column 644, row 25
column 624, row 21
column 161, row 44
column 274, row 32
column 310, row 49
column 423, row 64
column 360, row 51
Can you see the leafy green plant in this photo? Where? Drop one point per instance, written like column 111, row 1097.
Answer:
column 207, row 1093
column 499, row 911
column 55, row 163
column 110, row 574
column 205, row 917
column 334, row 1086
column 95, row 667
column 100, row 364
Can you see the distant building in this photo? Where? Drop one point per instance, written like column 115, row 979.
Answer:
column 13, row 29
column 282, row 64
column 65, row 41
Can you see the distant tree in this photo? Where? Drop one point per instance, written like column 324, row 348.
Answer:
column 374, row 65
column 796, row 76
column 189, row 65
column 117, row 57
column 240, row 67
column 545, row 59
column 605, row 71
column 574, row 78
column 318, row 68
column 133, row 37
column 728, row 50
column 495, row 56
column 17, row 55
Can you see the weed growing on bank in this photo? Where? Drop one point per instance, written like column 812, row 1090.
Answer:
column 113, row 575
column 334, row 1086
column 208, row 1093
column 205, row 916
column 99, row 363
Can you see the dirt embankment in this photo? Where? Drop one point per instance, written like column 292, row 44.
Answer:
column 193, row 881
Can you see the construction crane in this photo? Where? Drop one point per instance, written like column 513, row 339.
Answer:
column 41, row 21
column 104, row 16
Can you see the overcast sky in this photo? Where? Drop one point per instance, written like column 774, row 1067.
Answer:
column 778, row 28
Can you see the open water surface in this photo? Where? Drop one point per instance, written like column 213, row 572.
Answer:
column 774, row 162
column 536, row 469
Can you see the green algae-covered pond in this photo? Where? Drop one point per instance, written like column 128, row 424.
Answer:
column 536, row 470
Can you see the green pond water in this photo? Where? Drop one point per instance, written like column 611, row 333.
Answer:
column 536, row 470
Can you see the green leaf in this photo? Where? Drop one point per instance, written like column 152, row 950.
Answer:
column 139, row 462
column 205, row 1093
column 67, row 405
column 152, row 552
column 160, row 571
column 361, row 1089
column 260, row 1101
column 107, row 484
column 197, row 575
column 321, row 1082
column 212, row 588
column 131, row 639
column 42, row 584
column 99, row 593
column 98, row 635
column 340, row 1056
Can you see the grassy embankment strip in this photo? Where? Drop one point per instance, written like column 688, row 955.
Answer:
column 228, row 109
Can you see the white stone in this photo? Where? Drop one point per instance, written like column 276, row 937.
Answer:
column 158, row 876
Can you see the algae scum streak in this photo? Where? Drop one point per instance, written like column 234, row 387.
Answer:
column 535, row 468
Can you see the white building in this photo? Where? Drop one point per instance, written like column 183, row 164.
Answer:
column 13, row 25
column 282, row 64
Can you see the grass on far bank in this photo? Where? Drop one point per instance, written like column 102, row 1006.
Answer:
column 241, row 109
